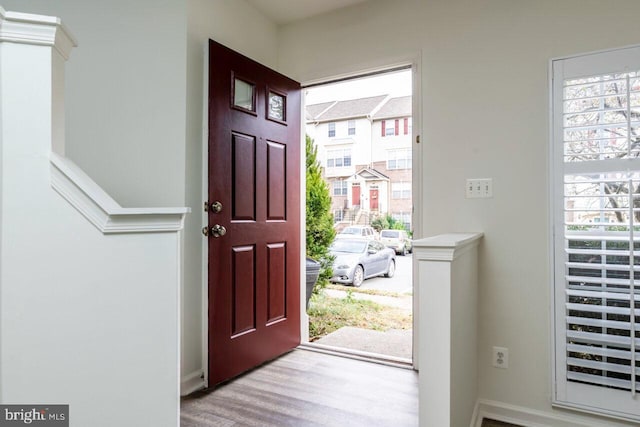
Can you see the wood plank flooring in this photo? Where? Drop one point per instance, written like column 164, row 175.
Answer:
column 306, row 388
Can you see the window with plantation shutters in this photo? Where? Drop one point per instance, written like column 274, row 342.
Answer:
column 596, row 209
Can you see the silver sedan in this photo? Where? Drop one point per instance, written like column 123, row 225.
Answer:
column 358, row 259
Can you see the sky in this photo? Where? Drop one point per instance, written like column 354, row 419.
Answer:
column 394, row 84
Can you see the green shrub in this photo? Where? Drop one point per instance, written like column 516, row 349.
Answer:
column 319, row 224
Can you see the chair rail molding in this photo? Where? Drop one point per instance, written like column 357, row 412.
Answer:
column 104, row 212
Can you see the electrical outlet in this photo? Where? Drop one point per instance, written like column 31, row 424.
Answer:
column 500, row 357
column 477, row 188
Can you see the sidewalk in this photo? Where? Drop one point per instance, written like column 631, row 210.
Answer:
column 404, row 301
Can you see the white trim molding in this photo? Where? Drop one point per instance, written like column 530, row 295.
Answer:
column 36, row 30
column 499, row 411
column 446, row 247
column 104, row 212
column 192, row 383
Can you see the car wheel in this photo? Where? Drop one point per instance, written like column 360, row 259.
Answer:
column 391, row 270
column 358, row 276
column 403, row 252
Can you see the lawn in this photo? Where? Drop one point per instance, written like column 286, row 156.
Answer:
column 327, row 314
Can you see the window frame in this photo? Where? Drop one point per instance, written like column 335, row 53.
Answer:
column 351, row 130
column 331, row 132
column 405, row 190
column 331, row 156
column 580, row 396
column 389, row 130
column 344, row 188
column 406, row 160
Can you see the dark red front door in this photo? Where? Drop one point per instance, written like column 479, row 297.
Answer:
column 355, row 195
column 254, row 170
column 373, row 199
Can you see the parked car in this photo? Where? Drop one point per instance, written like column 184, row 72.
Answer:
column 359, row 259
column 357, row 231
column 398, row 240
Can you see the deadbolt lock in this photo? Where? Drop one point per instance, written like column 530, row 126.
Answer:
column 216, row 207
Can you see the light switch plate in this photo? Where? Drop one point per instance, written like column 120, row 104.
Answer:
column 477, row 188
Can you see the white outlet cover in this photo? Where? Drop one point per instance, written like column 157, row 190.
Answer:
column 500, row 357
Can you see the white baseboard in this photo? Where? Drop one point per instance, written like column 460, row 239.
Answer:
column 526, row 417
column 192, row 382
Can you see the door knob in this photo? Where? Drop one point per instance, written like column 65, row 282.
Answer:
column 216, row 207
column 218, row 230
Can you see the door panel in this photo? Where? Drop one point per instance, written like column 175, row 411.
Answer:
column 276, row 178
column 277, row 282
column 244, row 176
column 244, row 291
column 254, row 172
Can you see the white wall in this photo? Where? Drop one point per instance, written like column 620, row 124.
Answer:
column 240, row 27
column 125, row 94
column 485, row 114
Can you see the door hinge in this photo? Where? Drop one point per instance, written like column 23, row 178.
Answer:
column 417, row 139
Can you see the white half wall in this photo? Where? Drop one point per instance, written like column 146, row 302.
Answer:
column 485, row 114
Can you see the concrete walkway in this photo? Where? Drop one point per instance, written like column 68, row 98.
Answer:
column 404, row 302
column 394, row 342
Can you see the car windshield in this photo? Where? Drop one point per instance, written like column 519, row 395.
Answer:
column 349, row 246
column 389, row 233
column 351, row 230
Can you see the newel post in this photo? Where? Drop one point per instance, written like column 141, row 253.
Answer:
column 447, row 274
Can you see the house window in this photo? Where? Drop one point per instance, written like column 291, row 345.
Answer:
column 399, row 159
column 332, row 130
column 339, row 158
column 389, row 127
column 401, row 190
column 339, row 188
column 596, row 217
column 338, row 215
column 352, row 127
column 404, row 218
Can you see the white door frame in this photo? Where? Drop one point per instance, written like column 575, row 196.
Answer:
column 414, row 61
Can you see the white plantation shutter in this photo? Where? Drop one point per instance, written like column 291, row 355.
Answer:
column 596, row 187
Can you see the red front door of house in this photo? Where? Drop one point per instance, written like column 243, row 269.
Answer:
column 373, row 199
column 254, row 171
column 355, row 195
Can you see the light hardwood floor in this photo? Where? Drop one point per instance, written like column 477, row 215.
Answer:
column 305, row 388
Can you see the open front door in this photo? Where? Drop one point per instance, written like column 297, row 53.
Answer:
column 254, row 214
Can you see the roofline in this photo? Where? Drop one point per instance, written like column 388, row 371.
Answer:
column 342, row 119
